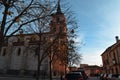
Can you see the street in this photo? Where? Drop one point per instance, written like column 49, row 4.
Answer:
column 16, row 78
column 30, row 78
column 23, row 78
column 93, row 78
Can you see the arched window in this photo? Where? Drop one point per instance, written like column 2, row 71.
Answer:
column 19, row 51
column 4, row 52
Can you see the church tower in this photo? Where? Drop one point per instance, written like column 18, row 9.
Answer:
column 58, row 22
column 58, row 28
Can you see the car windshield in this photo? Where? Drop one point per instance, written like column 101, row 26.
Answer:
column 110, row 75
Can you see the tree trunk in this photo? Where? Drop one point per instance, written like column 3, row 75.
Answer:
column 50, row 69
column 1, row 41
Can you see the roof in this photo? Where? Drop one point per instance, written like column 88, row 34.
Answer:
column 112, row 47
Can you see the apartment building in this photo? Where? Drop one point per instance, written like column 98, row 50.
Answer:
column 91, row 70
column 111, row 58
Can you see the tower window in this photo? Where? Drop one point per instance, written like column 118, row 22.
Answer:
column 58, row 20
column 19, row 51
column 4, row 52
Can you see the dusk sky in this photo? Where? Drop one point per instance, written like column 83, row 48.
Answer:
column 99, row 23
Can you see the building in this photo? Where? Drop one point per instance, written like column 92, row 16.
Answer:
column 91, row 70
column 19, row 54
column 111, row 58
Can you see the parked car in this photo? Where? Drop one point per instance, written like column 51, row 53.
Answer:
column 113, row 77
column 74, row 76
column 109, row 76
column 83, row 73
column 101, row 76
column 118, row 77
column 105, row 77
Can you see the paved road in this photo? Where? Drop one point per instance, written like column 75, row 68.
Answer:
column 15, row 78
column 21, row 78
column 93, row 78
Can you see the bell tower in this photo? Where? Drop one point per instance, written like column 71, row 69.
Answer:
column 58, row 28
column 58, row 22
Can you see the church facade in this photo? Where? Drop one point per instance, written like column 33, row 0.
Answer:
column 20, row 55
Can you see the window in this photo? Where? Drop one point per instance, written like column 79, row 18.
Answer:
column 19, row 51
column 116, row 70
column 4, row 52
column 36, row 51
column 54, row 29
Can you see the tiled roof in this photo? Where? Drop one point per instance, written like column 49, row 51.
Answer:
column 112, row 47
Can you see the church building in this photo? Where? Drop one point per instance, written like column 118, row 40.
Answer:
column 19, row 55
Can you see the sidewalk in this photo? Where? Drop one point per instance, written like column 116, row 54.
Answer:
column 19, row 77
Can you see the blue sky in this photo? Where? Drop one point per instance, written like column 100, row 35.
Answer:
column 99, row 23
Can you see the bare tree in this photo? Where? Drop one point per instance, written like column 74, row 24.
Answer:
column 22, row 14
column 19, row 14
column 69, row 47
column 32, row 16
column 74, row 58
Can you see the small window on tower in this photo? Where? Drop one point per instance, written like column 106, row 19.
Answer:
column 54, row 29
column 58, row 20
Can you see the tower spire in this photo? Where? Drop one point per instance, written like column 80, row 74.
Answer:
column 59, row 8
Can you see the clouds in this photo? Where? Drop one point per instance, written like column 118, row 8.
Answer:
column 92, row 56
column 99, row 24
column 92, row 59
